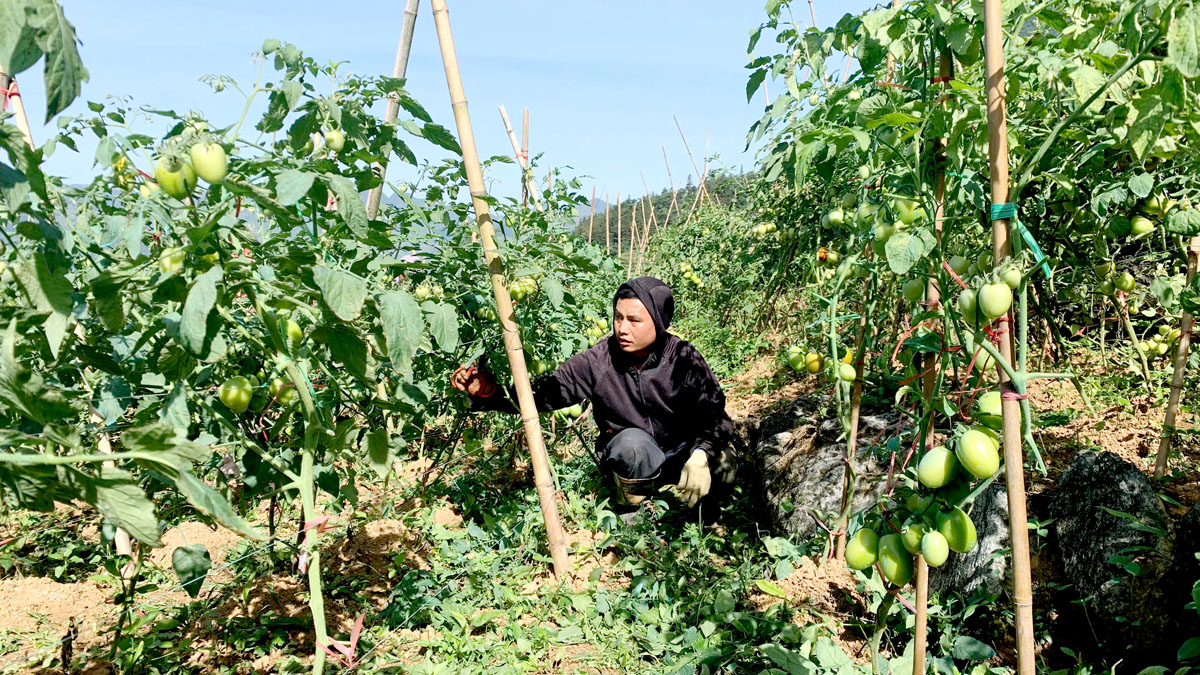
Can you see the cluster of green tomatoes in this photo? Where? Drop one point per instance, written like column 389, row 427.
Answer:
column 596, row 330
column 813, row 362
column 690, row 275
column 1161, row 343
column 928, row 522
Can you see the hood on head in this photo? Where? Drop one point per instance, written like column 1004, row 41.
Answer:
column 658, row 299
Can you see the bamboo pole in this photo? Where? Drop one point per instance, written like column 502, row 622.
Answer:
column 525, row 153
column 933, row 298
column 522, row 161
column 393, row 107
column 633, row 231
column 653, row 216
column 1181, row 355
column 700, row 177
column 592, row 215
column 1014, row 465
column 512, row 337
column 607, row 232
column 619, row 225
column 122, row 542
column 674, row 193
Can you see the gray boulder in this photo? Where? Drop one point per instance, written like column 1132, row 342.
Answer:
column 985, row 566
column 1114, row 546
column 795, row 466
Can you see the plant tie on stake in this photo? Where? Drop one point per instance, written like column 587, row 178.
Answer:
column 1008, row 211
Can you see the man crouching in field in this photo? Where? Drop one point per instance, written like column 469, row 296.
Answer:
column 660, row 410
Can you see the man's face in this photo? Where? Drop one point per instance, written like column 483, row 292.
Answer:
column 633, row 326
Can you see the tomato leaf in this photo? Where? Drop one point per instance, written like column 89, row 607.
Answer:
column 25, row 390
column 1183, row 42
column 18, row 46
column 291, row 185
column 343, row 292
column 120, row 498
column 349, row 204
column 970, row 649
column 903, row 252
column 441, row 137
column 194, row 325
column 64, row 73
column 191, row 564
column 382, row 447
column 770, row 588
column 1185, row 222
column 1141, row 184
column 443, row 324
column 210, row 502
column 403, row 324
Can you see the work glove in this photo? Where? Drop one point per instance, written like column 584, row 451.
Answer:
column 695, row 480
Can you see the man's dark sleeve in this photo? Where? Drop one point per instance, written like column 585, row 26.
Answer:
column 569, row 384
column 716, row 427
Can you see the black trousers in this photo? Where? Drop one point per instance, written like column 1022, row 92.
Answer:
column 634, row 454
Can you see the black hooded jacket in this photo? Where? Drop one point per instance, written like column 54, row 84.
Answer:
column 673, row 396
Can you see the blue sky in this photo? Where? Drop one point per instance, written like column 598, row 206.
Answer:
column 602, row 79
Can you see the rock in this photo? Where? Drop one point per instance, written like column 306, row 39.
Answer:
column 1111, row 564
column 986, row 565
column 795, row 467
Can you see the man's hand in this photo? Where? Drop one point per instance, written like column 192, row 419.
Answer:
column 695, row 480
column 475, row 380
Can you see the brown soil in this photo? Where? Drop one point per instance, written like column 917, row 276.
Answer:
column 742, row 399
column 36, row 607
column 825, row 594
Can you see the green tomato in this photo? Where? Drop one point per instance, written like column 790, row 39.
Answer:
column 914, row 290
column 862, row 549
column 957, row 528
column 814, row 363
column 1105, row 270
column 907, row 210
column 967, row 303
column 988, row 410
column 959, row 264
column 1012, row 275
column 236, row 393
column 147, row 189
column 293, row 332
column 912, row 537
column 849, row 200
column 864, row 172
column 994, row 300
column 282, row 390
column 895, row 562
column 837, row 217
column 209, row 161
column 884, row 231
column 935, row 549
column 170, row 261
column 796, row 361
column 1141, row 226
column 984, row 262
column 1106, row 287
column 846, row 372
column 979, row 452
column 175, row 176
column 937, row 468
column 335, row 139
column 814, row 100
column 1125, row 282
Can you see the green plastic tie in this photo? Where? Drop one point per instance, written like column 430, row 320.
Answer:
column 1008, row 211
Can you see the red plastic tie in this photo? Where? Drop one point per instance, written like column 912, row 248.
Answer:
column 940, row 80
column 11, row 92
column 1012, row 395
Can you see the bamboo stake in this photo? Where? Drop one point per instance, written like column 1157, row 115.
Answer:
column 633, row 230
column 619, row 225
column 607, row 234
column 653, row 216
column 122, row 542
column 522, row 161
column 1014, row 460
column 393, row 107
column 525, row 153
column 933, row 298
column 592, row 215
column 1181, row 355
column 674, row 193
column 512, row 337
column 700, row 177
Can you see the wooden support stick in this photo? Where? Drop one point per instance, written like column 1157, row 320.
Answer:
column 592, row 215
column 512, row 337
column 393, row 106
column 525, row 153
column 619, row 225
column 1181, row 355
column 674, row 193
column 1014, row 457
column 607, row 233
column 699, row 176
column 522, row 161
